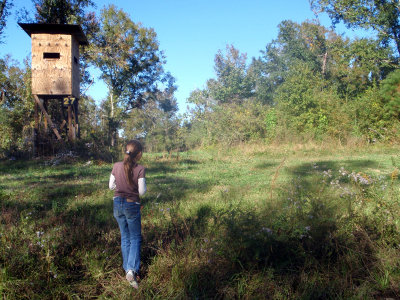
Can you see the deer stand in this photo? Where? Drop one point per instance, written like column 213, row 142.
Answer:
column 55, row 75
column 49, row 134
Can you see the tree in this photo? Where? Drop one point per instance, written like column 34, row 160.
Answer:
column 381, row 15
column 130, row 62
column 232, row 83
column 390, row 94
column 306, row 43
column 61, row 11
column 156, row 123
column 15, row 107
column 350, row 66
column 358, row 65
column 5, row 6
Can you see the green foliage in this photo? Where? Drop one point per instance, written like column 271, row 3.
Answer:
column 382, row 16
column 131, row 64
column 362, row 63
column 377, row 110
column 5, row 6
column 128, row 57
column 296, row 43
column 298, row 100
column 229, row 124
column 271, row 121
column 390, row 93
column 158, row 129
column 210, row 229
column 232, row 83
column 16, row 109
column 61, row 11
column 369, row 116
column 315, row 80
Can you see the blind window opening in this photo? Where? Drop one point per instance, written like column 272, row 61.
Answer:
column 54, row 55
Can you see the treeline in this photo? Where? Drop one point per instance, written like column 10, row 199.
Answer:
column 309, row 83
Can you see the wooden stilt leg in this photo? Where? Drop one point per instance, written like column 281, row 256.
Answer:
column 47, row 117
column 71, row 129
column 78, row 130
column 46, row 128
column 36, row 131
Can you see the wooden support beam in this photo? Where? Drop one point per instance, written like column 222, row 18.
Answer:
column 47, row 117
column 63, row 124
column 46, row 128
column 36, row 131
column 71, row 128
column 36, row 116
column 3, row 97
column 76, row 112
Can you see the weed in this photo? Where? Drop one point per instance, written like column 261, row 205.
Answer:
column 277, row 223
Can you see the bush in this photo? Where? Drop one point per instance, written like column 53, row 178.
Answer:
column 230, row 124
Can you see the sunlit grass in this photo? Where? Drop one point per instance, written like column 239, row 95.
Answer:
column 288, row 222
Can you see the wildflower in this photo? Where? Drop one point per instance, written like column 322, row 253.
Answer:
column 307, row 228
column 361, row 178
column 346, row 192
column 335, row 182
column 343, row 172
column 327, row 173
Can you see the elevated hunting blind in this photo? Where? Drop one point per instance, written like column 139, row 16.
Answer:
column 55, row 74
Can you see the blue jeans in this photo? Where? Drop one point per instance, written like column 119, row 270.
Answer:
column 127, row 215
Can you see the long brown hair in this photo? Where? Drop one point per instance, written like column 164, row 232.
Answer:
column 132, row 150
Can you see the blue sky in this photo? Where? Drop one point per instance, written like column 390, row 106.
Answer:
column 190, row 33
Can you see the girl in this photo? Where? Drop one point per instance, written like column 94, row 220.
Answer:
column 128, row 180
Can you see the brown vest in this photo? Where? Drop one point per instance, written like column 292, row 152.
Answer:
column 123, row 188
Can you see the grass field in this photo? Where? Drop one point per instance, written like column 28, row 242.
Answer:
column 294, row 222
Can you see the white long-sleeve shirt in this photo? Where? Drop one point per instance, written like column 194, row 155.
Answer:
column 141, row 184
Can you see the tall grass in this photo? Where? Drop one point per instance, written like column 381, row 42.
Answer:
column 248, row 222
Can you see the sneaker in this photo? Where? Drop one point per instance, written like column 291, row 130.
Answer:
column 129, row 275
column 132, row 279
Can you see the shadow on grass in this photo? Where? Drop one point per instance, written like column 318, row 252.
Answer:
column 266, row 165
column 301, row 241
column 282, row 240
column 9, row 166
column 307, row 169
column 167, row 187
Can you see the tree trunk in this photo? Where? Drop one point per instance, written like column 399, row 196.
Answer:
column 324, row 63
column 112, row 127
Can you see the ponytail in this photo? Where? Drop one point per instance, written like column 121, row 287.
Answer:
column 132, row 150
